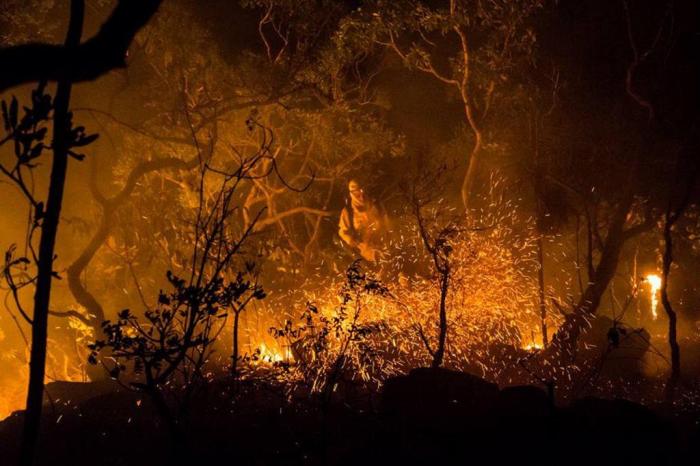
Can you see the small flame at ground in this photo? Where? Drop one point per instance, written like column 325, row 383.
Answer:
column 533, row 347
column 654, row 287
column 270, row 355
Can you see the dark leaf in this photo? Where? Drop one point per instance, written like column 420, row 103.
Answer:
column 85, row 140
column 6, row 117
column 13, row 112
column 36, row 151
column 39, row 211
column 76, row 156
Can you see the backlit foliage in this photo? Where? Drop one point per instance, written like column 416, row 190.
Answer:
column 492, row 309
column 338, row 343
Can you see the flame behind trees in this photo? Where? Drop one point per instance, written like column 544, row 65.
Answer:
column 654, row 287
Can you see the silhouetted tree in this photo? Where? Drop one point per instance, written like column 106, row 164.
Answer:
column 436, row 235
column 28, row 139
column 671, row 216
column 65, row 64
column 643, row 114
column 164, row 355
column 470, row 47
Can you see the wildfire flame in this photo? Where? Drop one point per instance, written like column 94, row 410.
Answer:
column 270, row 355
column 534, row 346
column 654, row 287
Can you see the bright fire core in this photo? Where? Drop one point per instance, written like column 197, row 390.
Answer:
column 654, row 287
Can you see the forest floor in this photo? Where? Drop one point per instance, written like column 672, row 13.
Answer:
column 426, row 417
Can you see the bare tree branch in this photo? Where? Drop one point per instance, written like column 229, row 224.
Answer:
column 86, row 62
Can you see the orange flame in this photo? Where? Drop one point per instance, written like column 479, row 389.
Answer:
column 654, row 287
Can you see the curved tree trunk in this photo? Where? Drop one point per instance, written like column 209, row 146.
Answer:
column 472, row 170
column 565, row 341
column 475, row 153
column 75, row 270
column 109, row 208
column 672, row 217
column 234, row 356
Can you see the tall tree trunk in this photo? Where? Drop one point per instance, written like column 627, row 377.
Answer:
column 672, row 217
column 672, row 318
column 47, row 242
column 234, row 356
column 444, row 288
column 540, row 210
column 540, row 281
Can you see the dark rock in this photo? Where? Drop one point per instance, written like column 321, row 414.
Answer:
column 614, row 432
column 429, row 413
column 523, row 401
column 521, row 419
column 436, row 393
column 74, row 393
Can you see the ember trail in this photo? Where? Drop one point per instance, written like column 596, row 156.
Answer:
column 341, row 232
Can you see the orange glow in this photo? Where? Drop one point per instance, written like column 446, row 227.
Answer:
column 654, row 287
column 271, row 355
column 533, row 346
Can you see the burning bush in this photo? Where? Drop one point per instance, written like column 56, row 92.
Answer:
column 338, row 344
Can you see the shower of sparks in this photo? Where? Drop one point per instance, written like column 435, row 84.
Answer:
column 654, row 287
column 493, row 321
column 490, row 309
